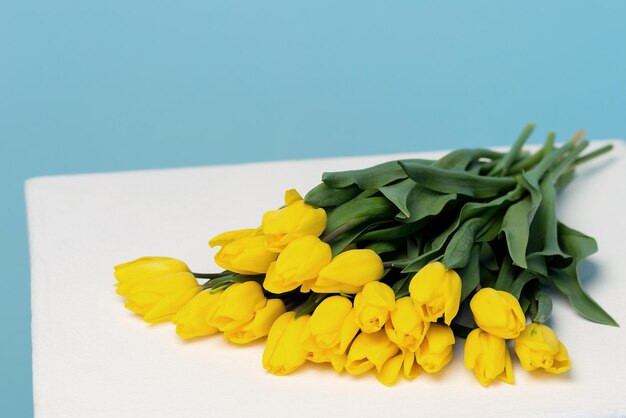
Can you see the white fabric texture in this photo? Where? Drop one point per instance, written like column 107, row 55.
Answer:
column 93, row 358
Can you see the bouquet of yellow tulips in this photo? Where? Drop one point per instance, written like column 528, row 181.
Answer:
column 374, row 268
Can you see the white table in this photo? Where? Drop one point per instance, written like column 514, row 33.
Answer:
column 93, row 358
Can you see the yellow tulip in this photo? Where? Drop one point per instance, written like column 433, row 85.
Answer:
column 330, row 330
column 293, row 221
column 145, row 268
column 369, row 351
column 538, row 347
column 246, row 256
column 498, row 312
column 406, row 328
column 238, row 305
column 301, row 261
column 435, row 352
column 404, row 362
column 489, row 357
column 230, row 236
column 336, row 360
column 436, row 292
column 372, row 306
column 259, row 326
column 332, row 325
column 284, row 351
column 158, row 299
column 195, row 319
column 348, row 273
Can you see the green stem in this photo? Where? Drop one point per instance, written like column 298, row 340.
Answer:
column 338, row 231
column 531, row 161
column 554, row 173
column 592, row 155
column 211, row 275
column 509, row 158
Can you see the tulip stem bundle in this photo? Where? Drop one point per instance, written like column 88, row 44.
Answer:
column 370, row 270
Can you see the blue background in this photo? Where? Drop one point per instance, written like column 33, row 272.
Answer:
column 87, row 87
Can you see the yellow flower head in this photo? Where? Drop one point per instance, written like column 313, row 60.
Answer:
column 259, row 326
column 498, row 312
column 230, row 236
column 195, row 318
column 145, row 268
column 406, row 328
column 436, row 292
column 300, row 262
column 348, row 273
column 489, row 357
column 159, row 298
column 404, row 362
column 295, row 220
column 370, row 351
column 538, row 347
column 246, row 255
column 238, row 305
column 436, row 350
column 284, row 351
column 372, row 306
column 332, row 325
column 330, row 330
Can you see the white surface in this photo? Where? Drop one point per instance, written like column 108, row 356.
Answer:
column 93, row 358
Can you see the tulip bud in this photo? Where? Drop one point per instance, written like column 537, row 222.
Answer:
column 402, row 362
column 238, row 305
column 332, row 325
column 489, row 357
column 436, row 350
column 301, row 261
column 370, row 351
column 406, row 328
column 498, row 312
column 230, row 236
column 295, row 220
column 538, row 347
column 372, row 306
column 284, row 351
column 145, row 268
column 158, row 299
column 348, row 273
column 245, row 256
column 436, row 292
column 195, row 318
column 259, row 326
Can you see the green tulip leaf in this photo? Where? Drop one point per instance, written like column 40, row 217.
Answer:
column 515, row 227
column 456, row 181
column 370, row 178
column 490, row 230
column 543, row 228
column 457, row 253
column 470, row 274
column 398, row 194
column 347, row 237
column 358, row 211
column 324, row 196
column 520, row 281
column 382, row 247
column 567, row 281
column 488, row 258
column 390, row 233
column 505, row 275
column 422, row 203
column 543, row 305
